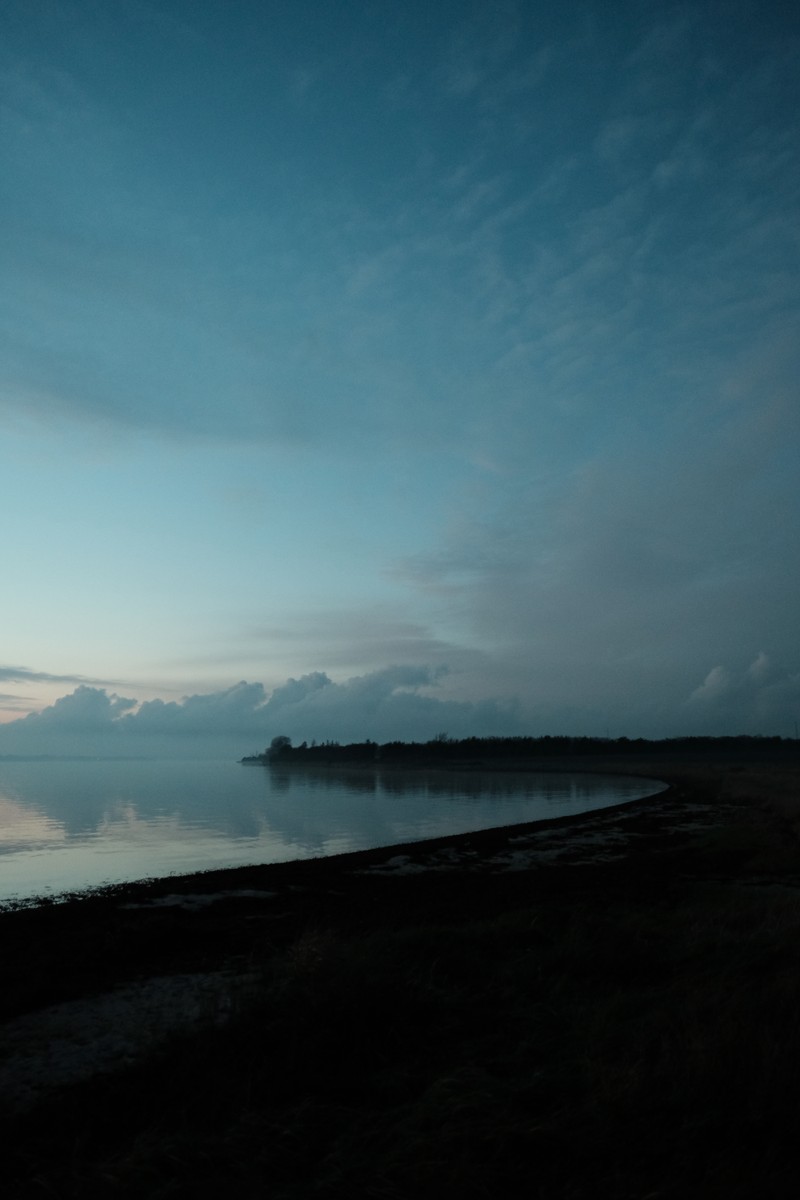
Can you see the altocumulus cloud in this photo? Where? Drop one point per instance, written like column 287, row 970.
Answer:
column 390, row 703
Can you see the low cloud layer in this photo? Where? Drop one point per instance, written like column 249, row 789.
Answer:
column 397, row 702
column 392, row 703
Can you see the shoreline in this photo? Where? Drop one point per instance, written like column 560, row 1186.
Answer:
column 166, row 986
column 725, row 774
column 523, row 767
column 658, row 824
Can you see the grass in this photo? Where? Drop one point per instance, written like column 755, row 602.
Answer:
column 609, row 1033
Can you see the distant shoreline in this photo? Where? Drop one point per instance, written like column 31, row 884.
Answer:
column 523, row 753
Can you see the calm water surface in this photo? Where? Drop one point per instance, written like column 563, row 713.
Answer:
column 68, row 825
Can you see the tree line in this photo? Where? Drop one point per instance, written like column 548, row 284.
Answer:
column 444, row 749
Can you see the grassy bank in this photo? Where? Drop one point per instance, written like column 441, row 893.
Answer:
column 628, row 1026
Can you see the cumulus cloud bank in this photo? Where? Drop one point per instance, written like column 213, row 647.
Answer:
column 394, row 702
column 729, row 700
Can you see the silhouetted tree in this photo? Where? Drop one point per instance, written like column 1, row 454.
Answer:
column 278, row 746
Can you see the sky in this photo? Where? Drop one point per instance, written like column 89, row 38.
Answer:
column 389, row 369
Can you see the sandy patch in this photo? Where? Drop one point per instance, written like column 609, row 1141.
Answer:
column 73, row 1041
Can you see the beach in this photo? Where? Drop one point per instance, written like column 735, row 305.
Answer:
column 462, row 1004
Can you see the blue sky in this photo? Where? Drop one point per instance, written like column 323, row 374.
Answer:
column 441, row 358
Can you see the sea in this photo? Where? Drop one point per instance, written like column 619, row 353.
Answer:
column 71, row 825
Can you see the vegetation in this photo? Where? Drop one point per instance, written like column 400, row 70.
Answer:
column 444, row 749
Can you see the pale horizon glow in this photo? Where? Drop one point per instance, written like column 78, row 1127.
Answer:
column 390, row 370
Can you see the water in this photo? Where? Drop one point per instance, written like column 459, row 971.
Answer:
column 67, row 826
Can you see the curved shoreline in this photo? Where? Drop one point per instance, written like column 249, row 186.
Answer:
column 256, row 988
column 672, row 774
column 444, row 802
column 98, row 938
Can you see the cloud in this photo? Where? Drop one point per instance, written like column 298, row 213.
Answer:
column 716, row 684
column 26, row 675
column 405, row 318
column 92, row 721
column 231, row 712
column 384, row 705
column 13, row 702
column 357, row 640
column 395, row 702
column 607, row 586
column 86, row 710
column 761, row 698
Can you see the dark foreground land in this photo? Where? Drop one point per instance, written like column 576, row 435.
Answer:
column 607, row 1005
